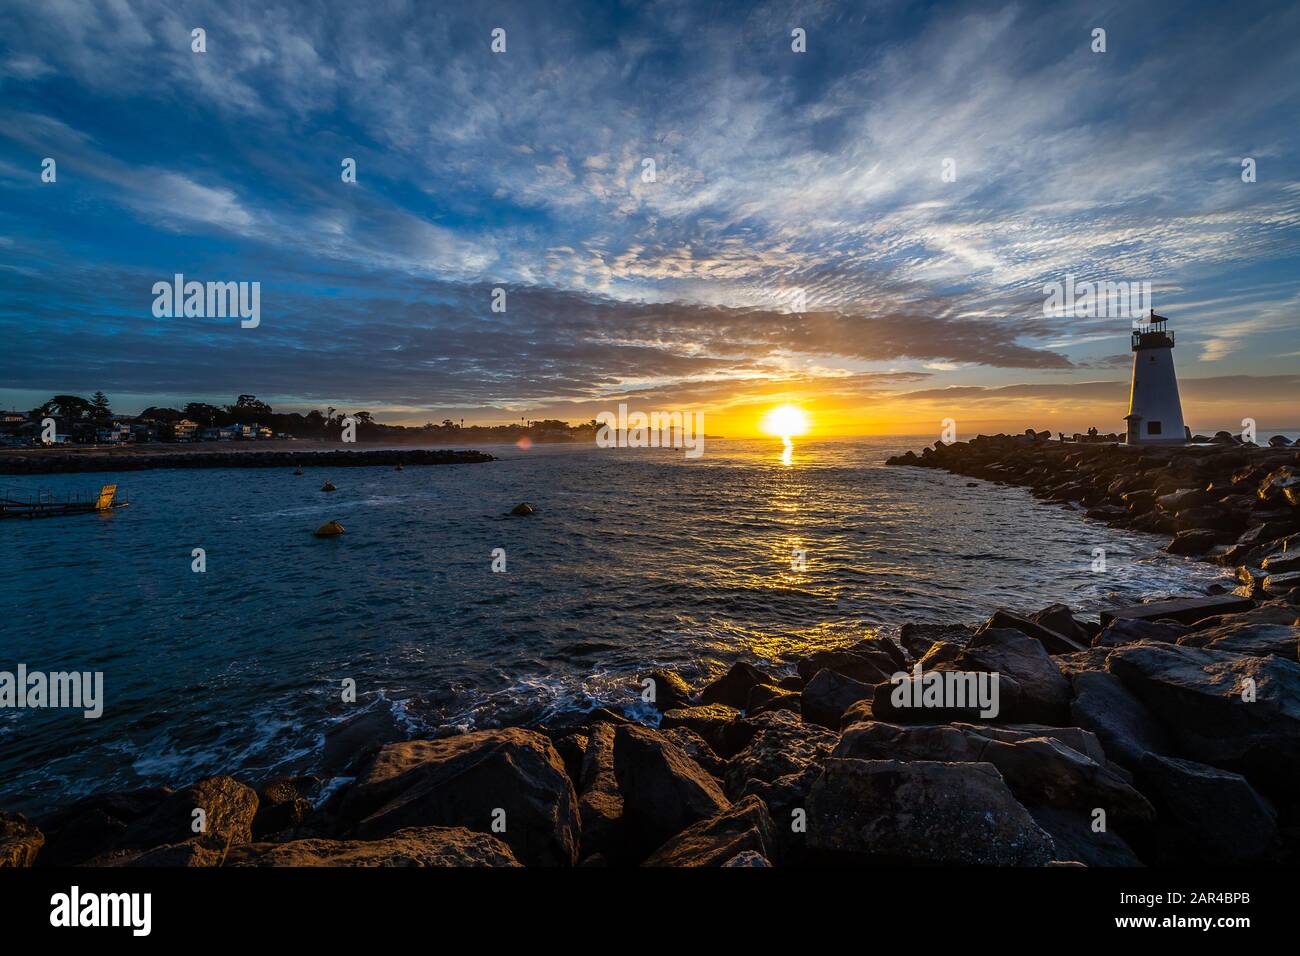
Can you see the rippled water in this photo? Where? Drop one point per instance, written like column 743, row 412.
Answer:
column 634, row 557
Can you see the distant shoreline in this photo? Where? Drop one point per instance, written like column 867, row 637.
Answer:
column 270, row 454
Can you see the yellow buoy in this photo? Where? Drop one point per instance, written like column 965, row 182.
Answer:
column 328, row 486
column 329, row 529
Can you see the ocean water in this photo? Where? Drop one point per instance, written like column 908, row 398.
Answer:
column 635, row 558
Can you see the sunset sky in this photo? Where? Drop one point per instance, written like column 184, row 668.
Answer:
column 775, row 172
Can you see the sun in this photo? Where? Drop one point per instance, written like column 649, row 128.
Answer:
column 785, row 421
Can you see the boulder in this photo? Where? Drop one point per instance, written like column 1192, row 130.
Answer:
column 670, row 690
column 411, row 846
column 1076, row 838
column 1257, row 640
column 918, row 638
column 664, row 791
column 1229, row 710
column 786, row 799
column 1059, row 619
column 1093, row 659
column 871, row 667
column 875, row 646
column 743, row 827
column 697, row 748
column 1054, row 642
column 927, row 812
column 1181, row 610
column 766, row 697
column 732, row 688
column 1043, row 693
column 283, row 804
column 1041, row 771
column 1282, row 585
column 466, row 781
column 1208, row 817
column 1192, row 541
column 195, row 852
column 1131, row 630
column 601, row 804
column 96, row 824
column 783, row 744
column 229, row 808
column 1123, row 724
column 829, row 694
column 20, row 841
column 722, row 727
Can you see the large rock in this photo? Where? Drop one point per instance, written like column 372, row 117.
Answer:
column 1201, row 696
column 786, row 799
column 697, row 748
column 1126, row 728
column 670, row 690
column 1125, row 630
column 1192, row 541
column 1063, row 768
column 1077, row 838
column 1054, row 641
column 784, row 744
column 1207, row 816
column 732, row 688
column 867, row 666
column 1059, row 619
column 743, row 827
column 722, row 727
column 413, row 846
column 228, row 807
column 1044, row 772
column 96, row 824
column 1043, row 692
column 601, row 803
column 917, row 638
column 1256, row 640
column 664, row 791
column 283, row 804
column 465, row 781
column 20, row 841
column 829, row 694
column 891, row 812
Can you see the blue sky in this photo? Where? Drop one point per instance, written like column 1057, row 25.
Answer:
column 775, row 171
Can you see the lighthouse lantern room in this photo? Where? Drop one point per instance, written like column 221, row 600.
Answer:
column 1155, row 413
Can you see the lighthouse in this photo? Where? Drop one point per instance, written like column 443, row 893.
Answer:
column 1155, row 414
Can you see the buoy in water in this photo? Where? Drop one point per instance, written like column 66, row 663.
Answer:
column 329, row 529
column 523, row 508
column 328, row 486
column 298, row 470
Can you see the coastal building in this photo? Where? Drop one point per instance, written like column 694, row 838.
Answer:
column 1155, row 412
column 184, row 430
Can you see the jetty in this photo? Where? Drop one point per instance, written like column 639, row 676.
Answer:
column 45, row 505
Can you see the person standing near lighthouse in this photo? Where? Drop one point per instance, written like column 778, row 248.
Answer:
column 1155, row 413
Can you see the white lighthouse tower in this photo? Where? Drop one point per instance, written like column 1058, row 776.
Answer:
column 1155, row 414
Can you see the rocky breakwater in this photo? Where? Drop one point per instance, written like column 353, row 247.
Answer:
column 52, row 462
column 1155, row 741
column 1225, row 501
